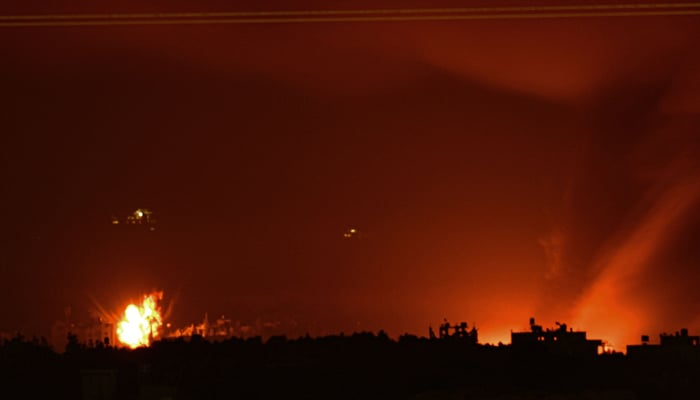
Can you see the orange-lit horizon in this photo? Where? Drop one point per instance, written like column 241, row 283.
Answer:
column 142, row 322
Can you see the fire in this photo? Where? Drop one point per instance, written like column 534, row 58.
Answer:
column 140, row 323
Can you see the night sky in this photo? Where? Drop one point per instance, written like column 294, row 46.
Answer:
column 495, row 170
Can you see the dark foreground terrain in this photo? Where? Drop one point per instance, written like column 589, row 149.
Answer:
column 358, row 366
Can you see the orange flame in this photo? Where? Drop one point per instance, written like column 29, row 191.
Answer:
column 140, row 323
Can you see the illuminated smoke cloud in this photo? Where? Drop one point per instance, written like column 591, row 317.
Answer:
column 609, row 306
column 553, row 247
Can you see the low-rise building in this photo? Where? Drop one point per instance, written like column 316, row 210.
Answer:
column 562, row 341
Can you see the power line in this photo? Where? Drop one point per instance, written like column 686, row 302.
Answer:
column 365, row 15
column 297, row 13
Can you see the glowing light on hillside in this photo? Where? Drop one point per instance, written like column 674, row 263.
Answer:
column 140, row 323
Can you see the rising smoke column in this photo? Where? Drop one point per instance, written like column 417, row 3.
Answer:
column 607, row 306
column 628, row 295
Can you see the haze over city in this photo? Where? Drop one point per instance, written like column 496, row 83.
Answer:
column 354, row 176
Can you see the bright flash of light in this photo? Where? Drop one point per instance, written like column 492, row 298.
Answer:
column 606, row 348
column 140, row 323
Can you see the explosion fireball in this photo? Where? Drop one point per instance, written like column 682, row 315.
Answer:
column 140, row 324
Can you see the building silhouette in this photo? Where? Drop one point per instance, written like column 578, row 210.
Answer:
column 559, row 341
column 459, row 331
column 676, row 346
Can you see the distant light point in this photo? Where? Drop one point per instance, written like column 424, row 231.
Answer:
column 140, row 216
column 351, row 232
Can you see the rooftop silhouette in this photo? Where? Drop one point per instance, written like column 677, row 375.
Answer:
column 557, row 363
